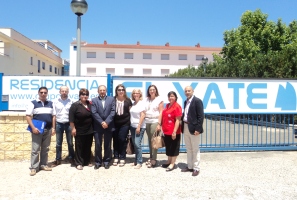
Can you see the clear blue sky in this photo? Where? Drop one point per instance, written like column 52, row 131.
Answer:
column 152, row 22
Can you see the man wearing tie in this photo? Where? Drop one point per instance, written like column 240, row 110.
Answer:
column 192, row 127
column 103, row 111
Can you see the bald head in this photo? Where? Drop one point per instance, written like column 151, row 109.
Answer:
column 189, row 92
column 64, row 90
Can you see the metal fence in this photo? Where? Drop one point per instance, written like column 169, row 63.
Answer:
column 245, row 132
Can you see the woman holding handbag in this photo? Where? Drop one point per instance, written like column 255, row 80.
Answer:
column 137, row 127
column 153, row 109
column 169, row 121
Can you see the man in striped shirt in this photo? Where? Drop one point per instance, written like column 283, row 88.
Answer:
column 42, row 110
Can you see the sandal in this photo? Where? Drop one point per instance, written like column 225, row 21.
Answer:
column 122, row 163
column 148, row 161
column 138, row 166
column 133, row 164
column 115, row 162
column 79, row 167
column 151, row 165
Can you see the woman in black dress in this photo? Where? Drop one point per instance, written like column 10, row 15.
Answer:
column 81, row 122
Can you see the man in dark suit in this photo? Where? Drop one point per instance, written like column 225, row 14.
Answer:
column 103, row 111
column 192, row 127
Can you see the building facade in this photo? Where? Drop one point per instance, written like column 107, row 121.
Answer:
column 20, row 55
column 136, row 60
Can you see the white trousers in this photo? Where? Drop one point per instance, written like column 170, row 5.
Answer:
column 193, row 151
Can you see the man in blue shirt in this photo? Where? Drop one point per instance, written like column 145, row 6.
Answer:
column 42, row 110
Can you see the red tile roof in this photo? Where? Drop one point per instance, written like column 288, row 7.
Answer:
column 138, row 46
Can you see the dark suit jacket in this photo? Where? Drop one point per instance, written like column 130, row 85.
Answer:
column 195, row 116
column 101, row 114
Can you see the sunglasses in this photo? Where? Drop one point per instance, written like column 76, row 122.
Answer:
column 43, row 92
column 121, row 90
column 84, row 94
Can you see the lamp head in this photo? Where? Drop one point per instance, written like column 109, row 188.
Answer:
column 79, row 7
column 204, row 60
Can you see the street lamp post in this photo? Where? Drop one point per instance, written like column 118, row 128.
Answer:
column 204, row 61
column 78, row 7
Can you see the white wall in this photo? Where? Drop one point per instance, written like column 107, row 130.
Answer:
column 119, row 63
column 18, row 51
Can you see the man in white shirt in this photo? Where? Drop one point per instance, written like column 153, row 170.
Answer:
column 61, row 110
column 192, row 127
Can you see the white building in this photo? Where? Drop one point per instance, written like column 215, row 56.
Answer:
column 20, row 55
column 136, row 60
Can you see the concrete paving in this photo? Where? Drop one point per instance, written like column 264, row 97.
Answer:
column 224, row 175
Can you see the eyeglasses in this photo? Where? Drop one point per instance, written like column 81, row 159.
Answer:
column 121, row 90
column 43, row 92
column 136, row 93
column 152, row 89
column 84, row 94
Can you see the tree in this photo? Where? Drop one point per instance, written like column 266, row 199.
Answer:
column 257, row 48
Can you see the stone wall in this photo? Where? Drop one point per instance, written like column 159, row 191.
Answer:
column 15, row 140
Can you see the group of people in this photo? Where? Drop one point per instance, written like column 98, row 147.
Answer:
column 108, row 120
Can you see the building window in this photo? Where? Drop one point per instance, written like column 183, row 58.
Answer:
column 164, row 72
column 199, row 57
column 43, row 65
column 182, row 56
column 91, row 54
column 74, row 48
column 164, row 56
column 50, row 68
column 55, row 70
column 147, row 56
column 110, row 71
column 110, row 55
column 38, row 66
column 91, row 71
column 147, row 72
column 128, row 55
column 128, row 71
column 31, row 61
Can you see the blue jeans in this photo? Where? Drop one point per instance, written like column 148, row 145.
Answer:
column 137, row 140
column 60, row 128
column 119, row 136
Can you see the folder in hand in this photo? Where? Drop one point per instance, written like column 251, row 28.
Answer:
column 40, row 125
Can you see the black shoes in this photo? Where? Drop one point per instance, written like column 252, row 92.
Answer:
column 106, row 166
column 187, row 170
column 195, row 173
column 165, row 165
column 168, row 169
column 97, row 167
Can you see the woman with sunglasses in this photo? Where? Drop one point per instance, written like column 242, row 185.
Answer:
column 122, row 125
column 153, row 107
column 81, row 122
